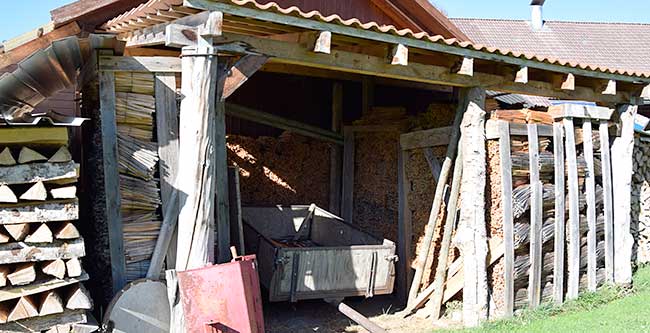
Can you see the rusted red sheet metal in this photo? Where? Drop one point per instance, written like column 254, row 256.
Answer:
column 222, row 298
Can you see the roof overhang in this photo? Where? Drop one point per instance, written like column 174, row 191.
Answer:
column 370, row 49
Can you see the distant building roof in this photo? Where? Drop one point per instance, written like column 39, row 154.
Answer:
column 618, row 46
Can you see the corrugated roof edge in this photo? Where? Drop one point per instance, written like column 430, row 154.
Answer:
column 546, row 21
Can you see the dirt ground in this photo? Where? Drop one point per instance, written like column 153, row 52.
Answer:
column 318, row 316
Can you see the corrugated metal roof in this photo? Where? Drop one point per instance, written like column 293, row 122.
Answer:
column 37, row 77
column 134, row 20
column 525, row 100
column 624, row 47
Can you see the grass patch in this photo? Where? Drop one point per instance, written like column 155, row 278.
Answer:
column 608, row 309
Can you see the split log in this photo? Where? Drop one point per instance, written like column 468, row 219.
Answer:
column 4, row 271
column 4, row 313
column 17, row 231
column 54, row 268
column 51, row 303
column 25, row 308
column 67, row 231
column 73, row 266
column 39, row 286
column 29, row 155
column 4, row 238
column 24, row 273
column 34, row 172
column 7, row 195
column 79, row 298
column 67, row 192
column 39, row 324
column 6, row 158
column 61, row 329
column 43, row 234
column 35, row 193
column 43, row 212
column 21, row 252
column 61, row 156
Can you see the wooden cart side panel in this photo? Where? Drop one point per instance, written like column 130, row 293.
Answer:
column 330, row 231
column 338, row 272
column 275, row 222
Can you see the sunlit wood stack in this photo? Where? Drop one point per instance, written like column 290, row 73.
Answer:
column 40, row 244
column 641, row 198
column 138, row 162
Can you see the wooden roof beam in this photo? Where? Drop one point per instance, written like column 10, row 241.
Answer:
column 399, row 55
column 463, row 66
column 317, row 41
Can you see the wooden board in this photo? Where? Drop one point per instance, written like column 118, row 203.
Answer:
column 608, row 209
column 508, row 223
column 347, row 195
column 34, row 136
column 63, row 210
column 404, row 230
column 492, row 129
column 141, row 306
column 427, row 138
column 560, row 209
column 536, row 215
column 31, row 173
column 590, row 194
column 573, row 250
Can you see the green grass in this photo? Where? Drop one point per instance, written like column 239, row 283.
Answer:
column 610, row 309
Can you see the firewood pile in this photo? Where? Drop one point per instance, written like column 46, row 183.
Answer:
column 641, row 199
column 40, row 245
column 138, row 165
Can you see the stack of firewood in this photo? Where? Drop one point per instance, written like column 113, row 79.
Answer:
column 641, row 199
column 523, row 116
column 138, row 165
column 40, row 246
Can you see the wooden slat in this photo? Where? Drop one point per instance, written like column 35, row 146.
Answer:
column 536, row 214
column 492, row 129
column 404, row 229
column 608, row 209
column 111, row 179
column 426, row 138
column 573, row 250
column 580, row 111
column 560, row 209
column 63, row 210
column 508, row 224
column 336, row 153
column 590, row 193
column 347, row 194
column 34, row 136
column 140, row 64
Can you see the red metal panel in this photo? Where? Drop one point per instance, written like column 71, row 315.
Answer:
column 222, row 298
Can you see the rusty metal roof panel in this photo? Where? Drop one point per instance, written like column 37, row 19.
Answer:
column 38, row 77
column 122, row 24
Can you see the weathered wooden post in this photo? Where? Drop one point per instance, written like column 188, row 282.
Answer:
column 622, row 150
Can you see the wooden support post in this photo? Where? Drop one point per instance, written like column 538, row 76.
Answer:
column 404, row 229
column 199, row 135
column 590, row 193
column 608, row 200
column 573, row 250
column 508, row 223
column 223, row 205
column 367, row 95
column 463, row 105
column 113, row 214
column 622, row 170
column 167, row 133
column 536, row 215
column 472, row 232
column 335, row 151
column 347, row 194
column 560, row 210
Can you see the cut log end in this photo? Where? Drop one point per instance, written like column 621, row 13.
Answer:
column 54, row 268
column 6, row 158
column 35, row 193
column 51, row 303
column 67, row 192
column 67, row 231
column 79, row 299
column 43, row 234
column 17, row 231
column 61, row 156
column 7, row 195
column 29, row 155
column 25, row 308
column 73, row 266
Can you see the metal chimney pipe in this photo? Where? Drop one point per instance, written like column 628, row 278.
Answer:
column 536, row 17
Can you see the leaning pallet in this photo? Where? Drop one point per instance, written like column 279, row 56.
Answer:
column 40, row 245
column 138, row 164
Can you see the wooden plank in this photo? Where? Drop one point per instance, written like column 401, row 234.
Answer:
column 222, row 208
column 580, row 111
column 433, row 162
column 236, row 223
column 167, row 134
column 427, row 138
column 573, row 251
column 472, row 233
column 38, row 324
column 508, row 223
column 463, row 104
column 536, row 215
column 111, row 179
column 39, row 286
column 63, row 210
column 25, row 50
column 15, row 42
column 424, row 44
column 492, row 129
column 20, row 252
column 404, row 229
column 350, row 62
column 269, row 119
column 347, row 194
column 336, row 153
column 139, row 64
column 590, row 194
column 560, row 210
column 622, row 171
column 33, row 136
column 243, row 69
column 197, row 173
column 608, row 209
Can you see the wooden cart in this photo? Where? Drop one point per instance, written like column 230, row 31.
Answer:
column 305, row 252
